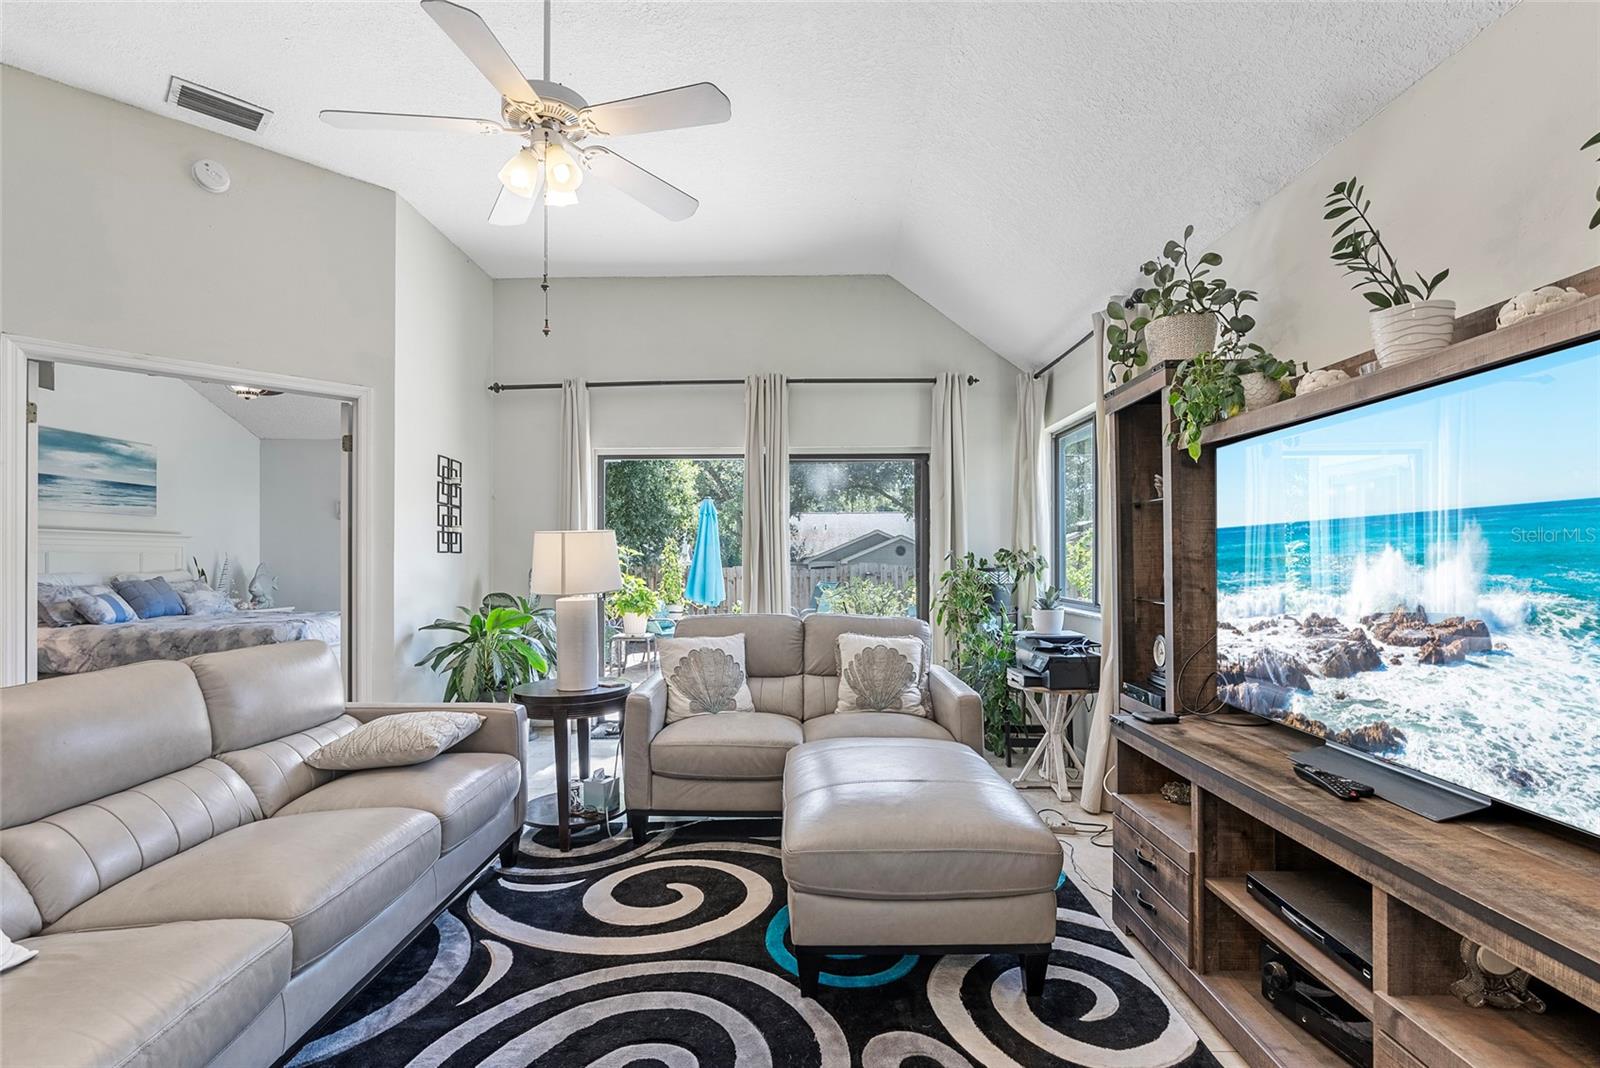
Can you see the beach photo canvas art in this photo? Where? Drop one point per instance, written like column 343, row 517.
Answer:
column 1420, row 579
column 81, row 472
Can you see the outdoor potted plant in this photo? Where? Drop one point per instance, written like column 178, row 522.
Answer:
column 634, row 603
column 1406, row 321
column 1049, row 611
column 670, row 588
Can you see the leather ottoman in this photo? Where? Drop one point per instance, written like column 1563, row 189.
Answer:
column 910, row 845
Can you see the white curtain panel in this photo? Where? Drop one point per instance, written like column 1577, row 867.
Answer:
column 1098, row 753
column 947, row 488
column 1028, row 488
column 766, row 493
column 577, row 463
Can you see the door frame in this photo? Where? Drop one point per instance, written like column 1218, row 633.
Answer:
column 18, row 541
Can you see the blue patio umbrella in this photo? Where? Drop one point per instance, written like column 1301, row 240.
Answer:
column 703, row 585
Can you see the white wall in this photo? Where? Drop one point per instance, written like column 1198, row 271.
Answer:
column 207, row 465
column 300, row 527
column 443, row 324
column 621, row 328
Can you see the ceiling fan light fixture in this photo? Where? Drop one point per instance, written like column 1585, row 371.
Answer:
column 555, row 198
column 561, row 172
column 520, row 175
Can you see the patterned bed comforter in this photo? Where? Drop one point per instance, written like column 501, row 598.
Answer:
column 73, row 650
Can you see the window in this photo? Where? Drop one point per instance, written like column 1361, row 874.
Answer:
column 653, row 504
column 858, row 529
column 1074, row 557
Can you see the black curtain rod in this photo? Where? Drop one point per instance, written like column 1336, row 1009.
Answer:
column 502, row 387
column 1041, row 372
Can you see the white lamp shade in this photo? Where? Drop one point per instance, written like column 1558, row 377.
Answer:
column 572, row 562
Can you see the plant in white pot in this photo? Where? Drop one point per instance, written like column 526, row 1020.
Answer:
column 1179, row 315
column 1263, row 378
column 1406, row 321
column 634, row 603
column 1049, row 611
column 671, row 585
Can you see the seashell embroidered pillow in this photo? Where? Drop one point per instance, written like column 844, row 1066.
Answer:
column 880, row 674
column 704, row 676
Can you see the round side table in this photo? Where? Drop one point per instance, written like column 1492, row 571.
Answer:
column 561, row 709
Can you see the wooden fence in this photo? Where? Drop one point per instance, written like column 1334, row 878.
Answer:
column 804, row 581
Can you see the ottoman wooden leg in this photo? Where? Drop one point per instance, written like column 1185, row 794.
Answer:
column 810, row 966
column 1033, row 969
column 637, row 822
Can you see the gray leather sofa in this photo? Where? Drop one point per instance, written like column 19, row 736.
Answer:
column 196, row 892
column 727, row 765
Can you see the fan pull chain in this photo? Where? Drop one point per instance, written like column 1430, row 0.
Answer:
column 544, row 282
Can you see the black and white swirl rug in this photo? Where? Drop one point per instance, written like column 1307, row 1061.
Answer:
column 676, row 954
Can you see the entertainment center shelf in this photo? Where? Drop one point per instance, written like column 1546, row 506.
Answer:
column 1529, row 894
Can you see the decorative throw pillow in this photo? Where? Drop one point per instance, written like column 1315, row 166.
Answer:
column 12, row 954
column 704, row 676
column 396, row 741
column 151, row 598
column 103, row 607
column 55, row 605
column 202, row 600
column 880, row 674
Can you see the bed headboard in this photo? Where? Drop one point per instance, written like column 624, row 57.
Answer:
column 95, row 555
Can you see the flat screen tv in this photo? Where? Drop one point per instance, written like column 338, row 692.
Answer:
column 1418, row 579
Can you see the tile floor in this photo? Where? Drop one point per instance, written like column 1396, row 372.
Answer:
column 1089, row 861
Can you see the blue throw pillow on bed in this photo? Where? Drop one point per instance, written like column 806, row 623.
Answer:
column 102, row 608
column 150, row 597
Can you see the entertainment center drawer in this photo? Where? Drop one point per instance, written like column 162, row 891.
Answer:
column 1387, row 1053
column 1169, row 922
column 1163, row 824
column 1168, row 876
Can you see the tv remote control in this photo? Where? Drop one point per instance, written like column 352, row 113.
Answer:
column 1337, row 785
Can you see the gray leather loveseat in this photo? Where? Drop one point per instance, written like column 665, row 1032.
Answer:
column 733, row 764
column 196, row 892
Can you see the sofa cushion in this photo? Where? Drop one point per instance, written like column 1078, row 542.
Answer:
column 822, row 631
column 874, row 725
column 731, row 745
column 276, row 771
column 67, row 858
column 80, row 737
column 772, row 643
column 322, row 873
column 258, row 694
column 396, row 741
column 171, row 994
column 856, row 823
column 464, row 790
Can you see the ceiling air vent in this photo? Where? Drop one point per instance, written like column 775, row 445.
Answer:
column 215, row 105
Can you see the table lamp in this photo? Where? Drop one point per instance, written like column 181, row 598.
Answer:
column 574, row 565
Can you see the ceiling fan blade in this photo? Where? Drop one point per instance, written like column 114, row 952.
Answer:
column 512, row 210
column 388, row 120
column 632, row 179
column 473, row 36
column 701, row 104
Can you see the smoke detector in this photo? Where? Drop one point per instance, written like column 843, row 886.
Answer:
column 211, row 176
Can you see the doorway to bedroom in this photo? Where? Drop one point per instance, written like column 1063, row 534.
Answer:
column 171, row 515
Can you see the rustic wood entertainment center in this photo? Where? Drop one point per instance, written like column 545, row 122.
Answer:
column 1526, row 890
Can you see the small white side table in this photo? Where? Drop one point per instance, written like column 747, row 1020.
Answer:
column 1055, row 760
column 622, row 648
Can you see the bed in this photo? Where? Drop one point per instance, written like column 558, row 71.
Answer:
column 81, row 557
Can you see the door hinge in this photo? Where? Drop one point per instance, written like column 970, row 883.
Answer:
column 347, row 443
column 33, row 413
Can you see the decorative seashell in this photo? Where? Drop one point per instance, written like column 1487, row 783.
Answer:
column 710, row 678
column 1315, row 380
column 1536, row 302
column 878, row 675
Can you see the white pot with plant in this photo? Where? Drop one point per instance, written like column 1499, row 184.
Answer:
column 1263, row 378
column 1049, row 611
column 634, row 603
column 1407, row 322
column 1180, row 314
column 670, row 589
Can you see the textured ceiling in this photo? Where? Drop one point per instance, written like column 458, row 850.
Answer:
column 1010, row 163
column 290, row 415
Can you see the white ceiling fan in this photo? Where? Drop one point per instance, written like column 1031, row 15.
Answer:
column 557, row 125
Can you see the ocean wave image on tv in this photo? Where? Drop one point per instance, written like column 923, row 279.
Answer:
column 81, row 472
column 1420, row 579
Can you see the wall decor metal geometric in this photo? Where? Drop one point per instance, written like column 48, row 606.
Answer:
column 448, row 502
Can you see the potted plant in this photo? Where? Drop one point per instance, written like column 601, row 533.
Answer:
column 1205, row 390
column 1263, row 378
column 1011, row 567
column 672, row 579
column 1406, row 321
column 982, row 639
column 1049, row 611
column 1178, row 315
column 494, row 655
column 634, row 603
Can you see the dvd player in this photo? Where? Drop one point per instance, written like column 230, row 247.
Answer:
column 1330, row 907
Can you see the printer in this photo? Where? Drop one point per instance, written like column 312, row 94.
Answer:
column 1062, row 661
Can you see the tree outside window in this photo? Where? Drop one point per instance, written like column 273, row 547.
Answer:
column 1074, row 557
